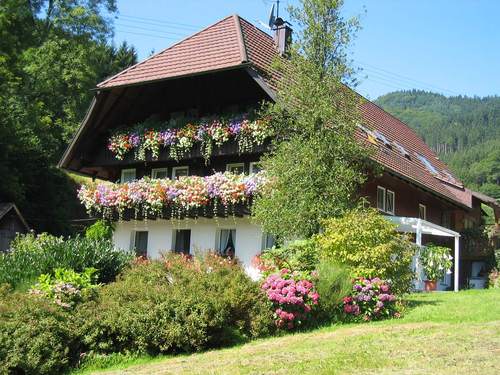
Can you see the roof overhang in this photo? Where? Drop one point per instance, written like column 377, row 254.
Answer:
column 11, row 206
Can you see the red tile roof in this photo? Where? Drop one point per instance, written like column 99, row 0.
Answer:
column 234, row 42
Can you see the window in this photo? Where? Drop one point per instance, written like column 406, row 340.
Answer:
column 268, row 241
column 141, row 243
column 128, row 175
column 236, row 168
column 381, row 198
column 422, row 212
column 182, row 241
column 468, row 223
column 255, row 167
column 401, row 149
column 179, row 171
column 382, row 138
column 389, row 202
column 225, row 242
column 385, row 200
column 159, row 173
column 427, row 164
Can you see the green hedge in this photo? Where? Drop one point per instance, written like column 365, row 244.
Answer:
column 31, row 256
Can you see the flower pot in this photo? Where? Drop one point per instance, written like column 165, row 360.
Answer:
column 430, row 285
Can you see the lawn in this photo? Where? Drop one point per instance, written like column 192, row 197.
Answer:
column 440, row 333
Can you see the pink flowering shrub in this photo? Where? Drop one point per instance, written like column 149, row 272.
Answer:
column 370, row 299
column 293, row 298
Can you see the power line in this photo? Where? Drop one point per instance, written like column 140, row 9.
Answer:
column 151, row 30
column 144, row 34
column 402, row 77
column 177, row 24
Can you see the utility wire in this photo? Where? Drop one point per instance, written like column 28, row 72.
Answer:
column 144, row 19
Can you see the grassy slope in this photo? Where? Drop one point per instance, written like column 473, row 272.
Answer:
column 441, row 333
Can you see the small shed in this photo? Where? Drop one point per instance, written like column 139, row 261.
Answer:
column 11, row 223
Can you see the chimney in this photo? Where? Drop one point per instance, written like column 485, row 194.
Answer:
column 282, row 36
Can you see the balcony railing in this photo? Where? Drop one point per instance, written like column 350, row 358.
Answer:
column 220, row 194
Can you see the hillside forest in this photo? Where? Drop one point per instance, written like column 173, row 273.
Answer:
column 464, row 131
column 52, row 54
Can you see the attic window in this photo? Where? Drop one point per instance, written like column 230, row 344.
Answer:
column 449, row 177
column 402, row 150
column 369, row 134
column 382, row 138
column 427, row 164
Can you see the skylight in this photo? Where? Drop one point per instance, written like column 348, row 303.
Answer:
column 401, row 149
column 449, row 176
column 427, row 164
column 382, row 138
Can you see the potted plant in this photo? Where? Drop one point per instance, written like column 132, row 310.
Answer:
column 436, row 262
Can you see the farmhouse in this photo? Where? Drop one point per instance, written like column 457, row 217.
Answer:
column 11, row 223
column 187, row 111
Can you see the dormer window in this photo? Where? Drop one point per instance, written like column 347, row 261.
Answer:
column 427, row 164
column 382, row 138
column 128, row 175
column 402, row 150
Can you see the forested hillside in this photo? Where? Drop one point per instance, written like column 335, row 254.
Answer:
column 464, row 131
column 52, row 53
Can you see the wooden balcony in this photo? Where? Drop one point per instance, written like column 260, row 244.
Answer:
column 102, row 157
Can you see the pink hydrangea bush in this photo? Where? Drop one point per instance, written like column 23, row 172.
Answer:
column 293, row 298
column 371, row 299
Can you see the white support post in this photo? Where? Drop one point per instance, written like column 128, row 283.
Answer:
column 456, row 271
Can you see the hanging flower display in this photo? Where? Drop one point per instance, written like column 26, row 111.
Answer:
column 151, row 196
column 208, row 132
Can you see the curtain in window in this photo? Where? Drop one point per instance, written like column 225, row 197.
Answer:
column 226, row 240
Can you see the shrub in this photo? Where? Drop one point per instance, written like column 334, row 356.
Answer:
column 299, row 256
column 31, row 256
column 178, row 305
column 66, row 287
column 436, row 261
column 36, row 336
column 293, row 298
column 371, row 299
column 101, row 229
column 334, row 282
column 367, row 243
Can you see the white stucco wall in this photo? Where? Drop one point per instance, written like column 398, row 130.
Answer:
column 248, row 241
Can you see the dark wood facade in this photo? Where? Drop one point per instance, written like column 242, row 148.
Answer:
column 11, row 223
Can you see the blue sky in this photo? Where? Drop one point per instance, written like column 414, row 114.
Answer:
column 446, row 46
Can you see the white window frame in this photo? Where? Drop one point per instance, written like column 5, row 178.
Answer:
column 125, row 171
column 387, row 193
column 420, row 205
column 252, row 166
column 175, row 169
column 381, row 188
column 154, row 172
column 218, row 237
column 235, row 165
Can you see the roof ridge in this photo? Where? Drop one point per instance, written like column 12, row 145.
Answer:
column 241, row 39
column 256, row 28
column 100, row 84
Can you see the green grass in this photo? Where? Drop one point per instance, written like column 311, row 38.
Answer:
column 441, row 333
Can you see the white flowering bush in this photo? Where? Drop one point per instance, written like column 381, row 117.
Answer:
column 436, row 261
